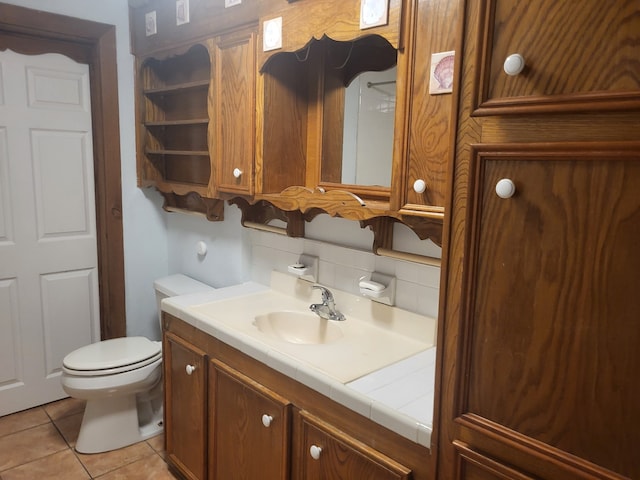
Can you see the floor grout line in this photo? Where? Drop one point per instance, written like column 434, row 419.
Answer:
column 126, row 461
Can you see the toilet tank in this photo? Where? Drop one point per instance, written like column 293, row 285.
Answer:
column 175, row 285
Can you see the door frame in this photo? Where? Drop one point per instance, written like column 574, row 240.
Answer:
column 33, row 32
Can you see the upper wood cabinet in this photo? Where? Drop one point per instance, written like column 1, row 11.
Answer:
column 304, row 120
column 423, row 153
column 281, row 124
column 603, row 73
column 196, row 110
column 173, row 120
column 233, row 114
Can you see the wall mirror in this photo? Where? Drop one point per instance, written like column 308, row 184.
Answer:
column 329, row 111
column 369, row 113
column 359, row 99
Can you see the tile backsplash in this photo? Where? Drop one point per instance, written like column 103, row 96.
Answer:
column 341, row 267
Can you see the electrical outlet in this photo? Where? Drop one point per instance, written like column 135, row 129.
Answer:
column 182, row 12
column 272, row 34
column 150, row 26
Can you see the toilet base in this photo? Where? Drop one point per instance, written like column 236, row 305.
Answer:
column 113, row 422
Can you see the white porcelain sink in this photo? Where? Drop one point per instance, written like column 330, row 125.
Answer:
column 276, row 326
column 298, row 327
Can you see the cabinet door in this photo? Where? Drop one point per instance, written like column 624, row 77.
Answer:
column 249, row 428
column 324, row 452
column 233, row 109
column 420, row 180
column 185, row 406
column 577, row 55
column 551, row 322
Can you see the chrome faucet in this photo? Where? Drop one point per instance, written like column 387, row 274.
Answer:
column 326, row 309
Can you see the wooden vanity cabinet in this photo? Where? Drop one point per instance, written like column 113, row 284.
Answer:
column 249, row 427
column 539, row 335
column 255, row 422
column 185, row 406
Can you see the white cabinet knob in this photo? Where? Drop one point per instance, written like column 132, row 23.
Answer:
column 237, row 172
column 505, row 188
column 315, row 452
column 266, row 420
column 419, row 186
column 190, row 369
column 514, row 64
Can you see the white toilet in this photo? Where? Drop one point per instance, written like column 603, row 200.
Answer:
column 120, row 379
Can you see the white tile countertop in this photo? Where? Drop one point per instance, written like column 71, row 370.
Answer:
column 382, row 367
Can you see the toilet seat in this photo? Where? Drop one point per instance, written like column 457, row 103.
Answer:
column 113, row 356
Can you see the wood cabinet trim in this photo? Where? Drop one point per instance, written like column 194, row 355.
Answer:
column 335, row 19
column 510, row 447
column 491, row 466
column 584, row 102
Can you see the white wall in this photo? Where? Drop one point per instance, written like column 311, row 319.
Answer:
column 228, row 256
column 368, row 129
column 157, row 243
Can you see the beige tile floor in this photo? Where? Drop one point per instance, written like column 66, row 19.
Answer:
column 38, row 444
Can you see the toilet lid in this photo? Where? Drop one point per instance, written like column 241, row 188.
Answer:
column 114, row 353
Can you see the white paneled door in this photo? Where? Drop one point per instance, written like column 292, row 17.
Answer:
column 48, row 251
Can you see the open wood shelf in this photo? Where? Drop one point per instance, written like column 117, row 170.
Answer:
column 178, row 88
column 178, row 153
column 172, row 123
column 175, row 118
